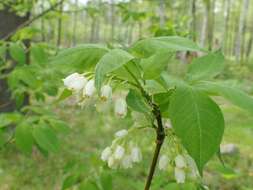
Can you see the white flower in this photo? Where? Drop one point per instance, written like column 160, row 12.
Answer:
column 106, row 92
column 180, row 161
column 89, row 88
column 179, row 175
column 120, row 107
column 163, row 162
column 106, row 154
column 112, row 162
column 119, row 152
column 121, row 133
column 75, row 82
column 126, row 162
column 136, row 154
column 192, row 165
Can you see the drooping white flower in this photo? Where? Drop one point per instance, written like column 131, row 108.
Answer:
column 89, row 88
column 163, row 162
column 75, row 82
column 126, row 162
column 106, row 154
column 119, row 152
column 136, row 154
column 106, row 92
column 192, row 165
column 179, row 175
column 180, row 161
column 112, row 163
column 120, row 107
column 121, row 133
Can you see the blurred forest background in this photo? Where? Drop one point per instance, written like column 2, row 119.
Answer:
column 35, row 30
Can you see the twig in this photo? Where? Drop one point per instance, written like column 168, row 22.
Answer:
column 160, row 135
column 28, row 22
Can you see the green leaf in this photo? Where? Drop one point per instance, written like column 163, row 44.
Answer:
column 106, row 181
column 70, row 181
column 88, row 185
column 111, row 61
column 24, row 137
column 80, row 57
column 149, row 46
column 136, row 102
column 65, row 94
column 59, row 126
column 232, row 94
column 198, row 122
column 38, row 54
column 45, row 137
column 155, row 64
column 9, row 118
column 206, row 67
column 17, row 52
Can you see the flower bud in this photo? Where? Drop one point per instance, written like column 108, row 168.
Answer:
column 136, row 154
column 75, row 82
column 120, row 107
column 112, row 162
column 119, row 152
column 126, row 162
column 193, row 167
column 163, row 162
column 89, row 88
column 179, row 175
column 106, row 92
column 180, row 161
column 106, row 154
column 121, row 133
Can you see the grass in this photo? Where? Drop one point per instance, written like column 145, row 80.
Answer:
column 91, row 132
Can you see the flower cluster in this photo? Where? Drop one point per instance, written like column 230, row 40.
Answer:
column 84, row 88
column 184, row 166
column 121, row 154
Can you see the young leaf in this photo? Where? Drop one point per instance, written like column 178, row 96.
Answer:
column 38, row 54
column 206, row 67
column 149, row 46
column 17, row 53
column 234, row 95
column 198, row 122
column 155, row 64
column 45, row 137
column 136, row 102
column 70, row 181
column 24, row 137
column 111, row 61
column 80, row 57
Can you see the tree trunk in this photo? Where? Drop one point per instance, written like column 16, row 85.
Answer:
column 75, row 24
column 162, row 13
column 59, row 27
column 112, row 19
column 9, row 22
column 238, row 45
column 42, row 24
column 193, row 21
column 226, row 24
column 204, row 27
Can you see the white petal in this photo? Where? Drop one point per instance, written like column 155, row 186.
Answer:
column 121, row 133
column 106, row 154
column 136, row 154
column 119, row 152
column 75, row 82
column 126, row 162
column 120, row 107
column 106, row 92
column 179, row 175
column 163, row 162
column 180, row 161
column 89, row 89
